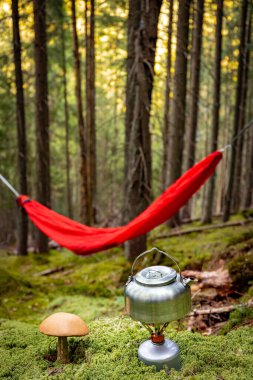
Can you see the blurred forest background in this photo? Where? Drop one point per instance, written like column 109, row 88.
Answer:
column 104, row 104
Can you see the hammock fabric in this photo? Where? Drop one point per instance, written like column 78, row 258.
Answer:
column 85, row 240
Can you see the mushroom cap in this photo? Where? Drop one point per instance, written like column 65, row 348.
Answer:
column 63, row 324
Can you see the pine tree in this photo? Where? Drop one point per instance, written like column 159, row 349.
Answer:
column 238, row 105
column 21, row 129
column 142, row 36
column 209, row 196
column 166, row 129
column 84, row 199
column 179, row 97
column 194, row 92
column 90, row 105
column 42, row 115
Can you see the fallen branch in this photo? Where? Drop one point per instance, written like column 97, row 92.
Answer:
column 219, row 310
column 47, row 272
column 204, row 228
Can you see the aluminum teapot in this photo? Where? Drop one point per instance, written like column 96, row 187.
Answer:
column 157, row 294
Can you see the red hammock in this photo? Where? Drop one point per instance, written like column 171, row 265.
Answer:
column 84, row 240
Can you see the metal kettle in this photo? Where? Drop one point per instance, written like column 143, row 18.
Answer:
column 157, row 294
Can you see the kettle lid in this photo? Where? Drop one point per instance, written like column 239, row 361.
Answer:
column 156, row 275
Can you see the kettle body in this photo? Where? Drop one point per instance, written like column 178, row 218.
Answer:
column 157, row 294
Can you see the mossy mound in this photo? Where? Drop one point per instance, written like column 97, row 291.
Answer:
column 241, row 270
column 7, row 282
column 110, row 353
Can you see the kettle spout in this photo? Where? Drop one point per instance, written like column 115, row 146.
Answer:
column 189, row 281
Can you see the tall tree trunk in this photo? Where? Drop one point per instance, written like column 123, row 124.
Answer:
column 84, row 200
column 66, row 115
column 179, row 99
column 142, row 36
column 21, row 130
column 166, row 128
column 238, row 105
column 90, row 104
column 42, row 115
column 248, row 197
column 194, row 92
column 209, row 195
column 248, row 193
column 237, row 193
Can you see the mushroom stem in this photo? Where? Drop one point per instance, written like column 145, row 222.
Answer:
column 62, row 350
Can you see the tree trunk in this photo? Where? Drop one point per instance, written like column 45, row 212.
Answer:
column 66, row 116
column 248, row 197
column 21, row 130
column 84, row 200
column 209, row 195
column 238, row 104
column 142, row 36
column 90, row 105
column 42, row 115
column 179, row 100
column 194, row 93
column 237, row 192
column 248, row 185
column 166, row 128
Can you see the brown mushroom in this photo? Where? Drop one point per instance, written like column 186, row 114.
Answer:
column 63, row 325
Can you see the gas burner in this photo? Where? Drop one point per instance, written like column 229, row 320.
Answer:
column 156, row 296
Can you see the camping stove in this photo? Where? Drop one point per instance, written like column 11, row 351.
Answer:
column 156, row 296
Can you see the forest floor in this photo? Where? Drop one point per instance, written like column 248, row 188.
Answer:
column 215, row 345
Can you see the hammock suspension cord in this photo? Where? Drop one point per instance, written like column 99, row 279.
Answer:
column 85, row 240
column 248, row 125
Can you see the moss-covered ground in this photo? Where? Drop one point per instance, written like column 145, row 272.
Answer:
column 92, row 287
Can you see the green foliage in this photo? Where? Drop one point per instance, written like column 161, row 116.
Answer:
column 110, row 353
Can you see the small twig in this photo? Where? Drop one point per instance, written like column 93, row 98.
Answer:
column 219, row 310
column 47, row 272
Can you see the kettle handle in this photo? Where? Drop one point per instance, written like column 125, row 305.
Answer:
column 158, row 250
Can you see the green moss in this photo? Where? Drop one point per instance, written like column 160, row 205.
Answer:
column 28, row 296
column 236, row 318
column 240, row 237
column 93, row 287
column 7, row 282
column 241, row 270
column 110, row 353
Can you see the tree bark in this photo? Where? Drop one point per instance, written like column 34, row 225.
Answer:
column 42, row 115
column 142, row 36
column 194, row 93
column 66, row 116
column 238, row 104
column 209, row 194
column 84, row 200
column 166, row 128
column 90, row 105
column 21, row 130
column 248, row 197
column 179, row 100
column 237, row 193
